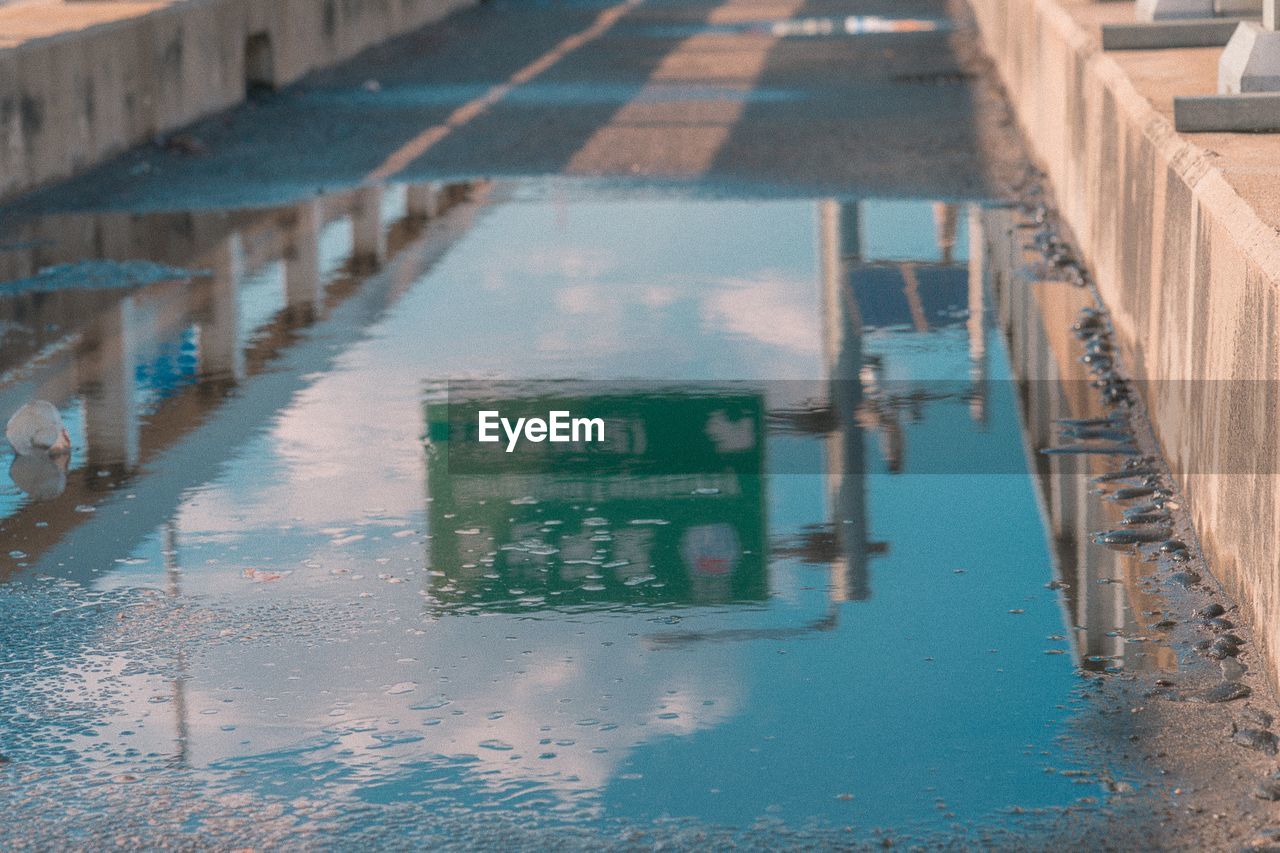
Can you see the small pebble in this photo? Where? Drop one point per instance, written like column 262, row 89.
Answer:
column 1232, row 670
column 1130, row 493
column 1222, row 648
column 1129, row 537
column 1227, row 691
column 1258, row 739
column 1257, row 717
column 1269, row 787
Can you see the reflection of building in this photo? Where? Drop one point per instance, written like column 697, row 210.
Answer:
column 187, row 370
column 1103, row 592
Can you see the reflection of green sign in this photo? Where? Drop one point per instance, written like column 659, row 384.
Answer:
column 670, row 507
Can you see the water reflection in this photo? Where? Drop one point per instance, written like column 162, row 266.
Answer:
column 1107, row 604
column 138, row 373
column 41, row 477
column 364, row 623
column 669, row 507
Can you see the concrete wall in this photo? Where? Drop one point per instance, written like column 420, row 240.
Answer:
column 71, row 100
column 1185, row 261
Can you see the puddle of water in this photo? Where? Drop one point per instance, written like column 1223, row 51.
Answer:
column 254, row 578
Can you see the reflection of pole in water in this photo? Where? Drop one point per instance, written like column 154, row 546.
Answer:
column 840, row 240
column 220, row 352
column 421, row 201
column 173, row 573
column 915, row 304
column 105, row 370
column 945, row 219
column 368, row 237
column 303, row 289
column 977, row 325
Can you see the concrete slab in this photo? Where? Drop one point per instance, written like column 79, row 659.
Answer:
column 1256, row 112
column 1159, row 35
column 1238, row 8
column 1159, row 10
column 1251, row 61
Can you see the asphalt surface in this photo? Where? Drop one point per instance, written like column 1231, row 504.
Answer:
column 749, row 97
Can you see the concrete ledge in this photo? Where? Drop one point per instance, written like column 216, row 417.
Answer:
column 82, row 81
column 1183, row 236
column 1166, row 34
column 1248, row 113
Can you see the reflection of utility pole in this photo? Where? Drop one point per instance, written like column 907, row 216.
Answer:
column 220, row 353
column 977, row 325
column 945, row 219
column 303, row 289
column 105, row 368
column 368, row 237
column 911, row 290
column 173, row 574
column 840, row 241
column 422, row 201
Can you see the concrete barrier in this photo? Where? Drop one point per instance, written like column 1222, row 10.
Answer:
column 82, row 81
column 1183, row 235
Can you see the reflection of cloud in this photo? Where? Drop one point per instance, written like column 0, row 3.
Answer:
column 595, row 319
column 329, row 466
column 575, row 262
column 564, row 717
column 766, row 310
column 589, row 739
column 659, row 295
column 579, row 299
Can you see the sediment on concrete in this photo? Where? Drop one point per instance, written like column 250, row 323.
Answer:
column 1182, row 233
column 97, row 78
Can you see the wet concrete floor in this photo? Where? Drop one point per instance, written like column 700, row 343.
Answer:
column 851, row 603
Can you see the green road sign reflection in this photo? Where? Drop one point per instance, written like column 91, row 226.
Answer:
column 669, row 508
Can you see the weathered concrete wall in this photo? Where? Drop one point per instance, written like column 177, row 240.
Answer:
column 1184, row 243
column 70, row 100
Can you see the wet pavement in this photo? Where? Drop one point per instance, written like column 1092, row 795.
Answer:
column 831, row 593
